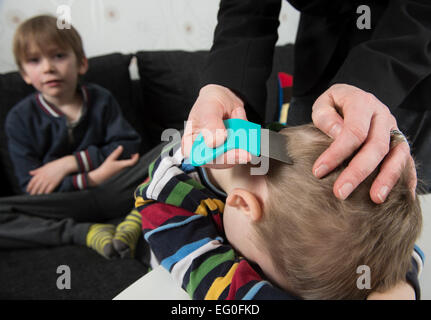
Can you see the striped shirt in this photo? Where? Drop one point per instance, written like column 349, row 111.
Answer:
column 182, row 222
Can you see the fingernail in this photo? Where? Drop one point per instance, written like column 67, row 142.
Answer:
column 345, row 190
column 335, row 131
column 321, row 171
column 383, row 193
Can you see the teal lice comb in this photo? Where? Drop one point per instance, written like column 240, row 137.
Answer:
column 241, row 134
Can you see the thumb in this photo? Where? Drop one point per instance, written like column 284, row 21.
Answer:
column 134, row 158
column 129, row 162
column 115, row 154
column 214, row 133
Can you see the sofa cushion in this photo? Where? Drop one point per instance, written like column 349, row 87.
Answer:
column 170, row 85
column 12, row 90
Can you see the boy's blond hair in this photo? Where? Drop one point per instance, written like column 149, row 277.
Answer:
column 317, row 242
column 41, row 30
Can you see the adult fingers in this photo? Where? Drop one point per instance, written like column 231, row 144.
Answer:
column 209, row 124
column 391, row 169
column 367, row 159
column 214, row 104
column 413, row 179
column 358, row 114
column 325, row 116
column 214, row 131
column 231, row 157
column 367, row 125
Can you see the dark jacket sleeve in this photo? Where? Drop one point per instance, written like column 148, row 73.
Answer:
column 23, row 155
column 117, row 132
column 397, row 57
column 243, row 48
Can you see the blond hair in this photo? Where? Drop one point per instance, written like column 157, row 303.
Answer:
column 41, row 30
column 317, row 242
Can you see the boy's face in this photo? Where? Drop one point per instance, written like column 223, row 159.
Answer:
column 53, row 71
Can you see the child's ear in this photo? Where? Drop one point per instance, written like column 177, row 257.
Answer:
column 83, row 66
column 246, row 202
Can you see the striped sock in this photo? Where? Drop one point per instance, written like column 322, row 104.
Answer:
column 127, row 235
column 99, row 238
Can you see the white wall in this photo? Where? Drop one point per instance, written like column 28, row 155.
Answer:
column 130, row 25
column 424, row 243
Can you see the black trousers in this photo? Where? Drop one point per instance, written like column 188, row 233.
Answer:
column 64, row 217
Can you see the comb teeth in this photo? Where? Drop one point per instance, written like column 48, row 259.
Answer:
column 277, row 146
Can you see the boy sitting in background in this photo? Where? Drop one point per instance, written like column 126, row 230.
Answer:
column 66, row 136
column 287, row 227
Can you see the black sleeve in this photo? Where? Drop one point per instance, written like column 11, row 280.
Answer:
column 398, row 55
column 243, row 48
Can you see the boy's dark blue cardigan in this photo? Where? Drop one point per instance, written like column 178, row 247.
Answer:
column 37, row 134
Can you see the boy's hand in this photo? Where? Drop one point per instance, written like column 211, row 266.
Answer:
column 49, row 176
column 110, row 167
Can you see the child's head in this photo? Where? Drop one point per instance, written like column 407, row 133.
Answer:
column 308, row 241
column 49, row 58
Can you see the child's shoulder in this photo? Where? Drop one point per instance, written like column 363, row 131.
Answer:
column 96, row 91
column 99, row 99
column 24, row 108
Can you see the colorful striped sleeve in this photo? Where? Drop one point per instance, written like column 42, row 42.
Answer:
column 189, row 246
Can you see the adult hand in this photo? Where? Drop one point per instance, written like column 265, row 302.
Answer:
column 214, row 104
column 111, row 166
column 358, row 120
column 46, row 178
